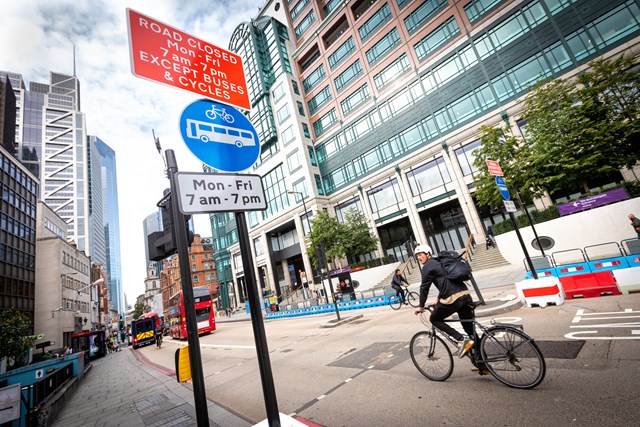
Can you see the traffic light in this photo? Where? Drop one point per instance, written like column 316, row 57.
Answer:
column 162, row 244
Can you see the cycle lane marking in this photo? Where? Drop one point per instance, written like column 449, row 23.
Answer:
column 625, row 314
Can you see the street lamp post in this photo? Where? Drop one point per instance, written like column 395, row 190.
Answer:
column 304, row 205
column 316, row 248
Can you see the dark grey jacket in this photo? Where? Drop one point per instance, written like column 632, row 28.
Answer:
column 432, row 273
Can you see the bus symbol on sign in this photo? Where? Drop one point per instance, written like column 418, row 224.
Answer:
column 206, row 132
column 219, row 135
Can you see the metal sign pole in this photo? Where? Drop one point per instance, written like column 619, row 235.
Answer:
column 524, row 248
column 268, row 388
column 530, row 221
column 180, row 230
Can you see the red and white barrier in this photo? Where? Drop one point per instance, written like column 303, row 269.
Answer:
column 541, row 292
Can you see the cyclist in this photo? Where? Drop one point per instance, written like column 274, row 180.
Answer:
column 396, row 283
column 453, row 297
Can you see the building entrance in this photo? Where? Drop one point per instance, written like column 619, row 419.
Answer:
column 445, row 226
column 393, row 237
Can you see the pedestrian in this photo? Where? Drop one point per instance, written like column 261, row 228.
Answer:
column 490, row 242
column 396, row 283
column 453, row 297
column 635, row 223
column 67, row 351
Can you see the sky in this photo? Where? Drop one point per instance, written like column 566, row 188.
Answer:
column 120, row 108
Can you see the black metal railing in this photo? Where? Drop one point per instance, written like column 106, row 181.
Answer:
column 38, row 392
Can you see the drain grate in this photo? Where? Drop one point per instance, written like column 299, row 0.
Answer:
column 560, row 349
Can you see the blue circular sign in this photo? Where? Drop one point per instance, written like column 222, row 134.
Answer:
column 502, row 188
column 219, row 135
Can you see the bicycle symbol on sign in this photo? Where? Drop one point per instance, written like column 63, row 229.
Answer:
column 222, row 112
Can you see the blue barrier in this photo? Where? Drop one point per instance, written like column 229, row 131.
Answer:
column 572, row 269
column 326, row 308
column 633, row 260
column 543, row 272
column 608, row 264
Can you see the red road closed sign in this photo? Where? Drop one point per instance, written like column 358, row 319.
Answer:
column 169, row 56
column 494, row 168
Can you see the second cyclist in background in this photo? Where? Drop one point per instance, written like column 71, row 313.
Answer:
column 453, row 297
column 396, row 283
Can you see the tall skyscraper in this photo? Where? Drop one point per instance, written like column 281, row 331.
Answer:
column 376, row 106
column 51, row 142
column 105, row 198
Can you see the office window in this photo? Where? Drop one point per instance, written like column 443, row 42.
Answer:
column 278, row 92
column 288, row 135
column 466, row 157
column 305, row 23
column 293, row 161
column 283, row 113
column 257, row 244
column 320, row 99
column 348, row 75
column 391, row 72
column 383, row 47
column 312, row 156
column 476, row 9
column 314, row 78
column 319, row 187
column 343, row 52
column 428, row 176
column 325, row 122
column 298, row 8
column 423, row 14
column 331, row 6
column 437, row 38
column 275, row 189
column 343, row 208
column 355, row 99
column 305, row 130
column 384, row 196
column 373, row 24
column 300, row 108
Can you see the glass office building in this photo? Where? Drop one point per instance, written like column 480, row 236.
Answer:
column 377, row 105
column 107, row 191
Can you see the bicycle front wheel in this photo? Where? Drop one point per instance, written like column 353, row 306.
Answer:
column 413, row 299
column 395, row 302
column 431, row 356
column 512, row 357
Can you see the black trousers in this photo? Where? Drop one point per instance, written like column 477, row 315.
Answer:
column 460, row 306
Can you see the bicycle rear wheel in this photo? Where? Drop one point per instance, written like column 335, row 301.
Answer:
column 413, row 299
column 431, row 356
column 512, row 357
column 395, row 302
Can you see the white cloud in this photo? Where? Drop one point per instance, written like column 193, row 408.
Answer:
column 120, row 108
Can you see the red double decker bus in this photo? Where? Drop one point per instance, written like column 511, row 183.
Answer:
column 205, row 313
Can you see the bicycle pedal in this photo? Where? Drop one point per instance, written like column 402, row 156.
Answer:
column 482, row 372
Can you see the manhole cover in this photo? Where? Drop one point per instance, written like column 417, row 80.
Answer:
column 560, row 349
column 382, row 355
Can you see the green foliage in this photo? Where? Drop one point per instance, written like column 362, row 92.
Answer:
column 355, row 236
column 575, row 133
column 376, row 262
column 138, row 310
column 350, row 239
column 15, row 340
column 522, row 220
column 633, row 188
column 500, row 145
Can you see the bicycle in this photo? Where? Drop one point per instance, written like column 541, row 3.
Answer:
column 504, row 350
column 222, row 112
column 408, row 296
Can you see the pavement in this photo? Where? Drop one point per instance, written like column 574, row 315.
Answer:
column 125, row 389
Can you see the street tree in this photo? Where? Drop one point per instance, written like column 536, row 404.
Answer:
column 498, row 143
column 15, row 336
column 325, row 230
column 580, row 132
column 138, row 309
column 356, row 237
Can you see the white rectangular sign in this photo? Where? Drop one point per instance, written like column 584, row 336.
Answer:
column 510, row 206
column 206, row 192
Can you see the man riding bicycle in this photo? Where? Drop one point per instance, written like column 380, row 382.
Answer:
column 396, row 283
column 453, row 297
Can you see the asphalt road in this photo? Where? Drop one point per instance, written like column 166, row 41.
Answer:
column 361, row 374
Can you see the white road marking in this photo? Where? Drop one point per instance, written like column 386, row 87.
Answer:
column 347, row 380
column 321, row 397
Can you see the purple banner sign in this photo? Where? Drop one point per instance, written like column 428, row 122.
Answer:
column 594, row 201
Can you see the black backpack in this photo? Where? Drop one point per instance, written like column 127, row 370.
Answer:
column 454, row 266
